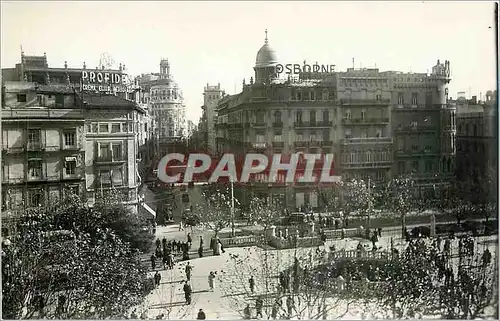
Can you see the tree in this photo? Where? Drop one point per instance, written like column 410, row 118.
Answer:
column 311, row 296
column 401, row 198
column 58, row 266
column 358, row 198
column 215, row 213
column 424, row 280
column 330, row 198
column 264, row 214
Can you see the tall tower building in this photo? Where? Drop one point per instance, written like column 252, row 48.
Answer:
column 211, row 98
column 265, row 64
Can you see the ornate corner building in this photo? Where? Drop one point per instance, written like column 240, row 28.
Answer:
column 379, row 125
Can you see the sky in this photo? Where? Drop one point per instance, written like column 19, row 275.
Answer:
column 217, row 42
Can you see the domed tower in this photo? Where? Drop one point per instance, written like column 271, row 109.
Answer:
column 265, row 64
column 164, row 69
column 441, row 75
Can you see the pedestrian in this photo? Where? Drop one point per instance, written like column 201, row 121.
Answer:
column 212, row 244
column 181, row 228
column 157, row 278
column 189, row 240
column 201, row 315
column 259, row 303
column 246, row 313
column 187, row 292
column 379, row 231
column 200, row 251
column 486, row 257
column 171, row 260
column 165, row 259
column 158, row 243
column 221, row 247
column 251, row 283
column 211, row 278
column 188, row 270
column 289, row 306
column 153, row 261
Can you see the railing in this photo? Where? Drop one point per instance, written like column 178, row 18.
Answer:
column 365, row 121
column 337, row 234
column 241, row 241
column 35, row 146
column 14, row 113
column 367, row 140
column 43, row 177
column 365, row 101
column 259, row 145
column 278, row 144
column 375, row 164
column 416, row 128
column 110, row 159
column 301, row 144
column 360, row 254
column 313, row 124
column 278, row 124
column 259, row 124
column 326, row 143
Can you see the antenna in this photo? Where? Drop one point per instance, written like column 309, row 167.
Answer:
column 352, row 62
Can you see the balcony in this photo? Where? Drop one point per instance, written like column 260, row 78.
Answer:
column 35, row 146
column 326, row 143
column 74, row 147
column 315, row 124
column 365, row 102
column 42, row 178
column 259, row 124
column 259, row 145
column 110, row 160
column 410, row 153
column 278, row 124
column 278, row 144
column 416, row 129
column 365, row 121
column 366, row 140
column 314, row 143
column 301, row 144
column 364, row 165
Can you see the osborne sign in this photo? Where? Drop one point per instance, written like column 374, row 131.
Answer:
column 104, row 81
column 305, row 68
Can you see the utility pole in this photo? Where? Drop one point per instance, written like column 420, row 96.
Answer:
column 232, row 207
column 369, row 203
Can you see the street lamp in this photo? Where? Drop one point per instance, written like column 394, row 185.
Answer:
column 232, row 207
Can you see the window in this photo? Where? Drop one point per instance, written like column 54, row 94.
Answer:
column 400, row 99
column 378, row 97
column 348, row 114
column 364, row 134
column 414, row 124
column 312, row 137
column 277, row 136
column 299, row 95
column 117, row 177
column 70, row 138
column 428, row 166
column 35, row 198
column 414, row 148
column 326, row 116
column 363, row 113
column 41, row 101
column 130, row 127
column 35, row 168
column 427, row 148
column 326, row 135
column 21, row 98
column 325, row 94
column 312, row 95
column 312, row 116
column 299, row 137
column 117, row 151
column 34, row 138
column 298, row 117
column 414, row 166
column 104, row 151
column 277, row 117
column 103, row 128
column 414, row 99
column 347, row 133
column 401, row 144
column 59, row 101
column 89, row 128
column 70, row 165
column 261, row 138
column 368, row 156
column 115, row 128
column 401, row 167
column 428, row 99
column 104, row 177
column 94, row 127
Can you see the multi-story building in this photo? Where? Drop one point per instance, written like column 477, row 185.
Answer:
column 165, row 104
column 50, row 114
column 112, row 125
column 43, row 146
column 377, row 124
column 211, row 97
column 477, row 144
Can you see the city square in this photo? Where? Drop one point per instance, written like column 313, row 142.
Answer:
column 176, row 161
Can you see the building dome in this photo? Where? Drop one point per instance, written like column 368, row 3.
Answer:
column 266, row 56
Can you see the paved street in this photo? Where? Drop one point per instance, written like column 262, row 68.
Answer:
column 168, row 298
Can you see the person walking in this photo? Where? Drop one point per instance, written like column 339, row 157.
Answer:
column 201, row 315
column 157, row 278
column 153, row 261
column 188, row 270
column 246, row 313
column 189, row 240
column 259, row 303
column 187, row 292
column 211, row 278
column 251, row 283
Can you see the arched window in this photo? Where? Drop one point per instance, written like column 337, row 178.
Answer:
column 358, row 157
column 352, row 157
column 277, row 116
column 368, row 156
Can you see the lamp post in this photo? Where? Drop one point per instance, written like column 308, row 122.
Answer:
column 232, row 207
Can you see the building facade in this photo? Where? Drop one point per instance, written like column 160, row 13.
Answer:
column 477, row 144
column 211, row 98
column 165, row 104
column 43, row 146
column 379, row 125
column 52, row 131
